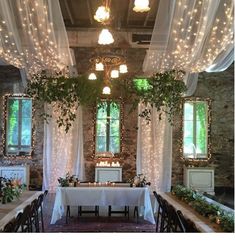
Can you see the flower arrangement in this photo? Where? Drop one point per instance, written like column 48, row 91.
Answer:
column 9, row 189
column 68, row 180
column 216, row 214
column 139, row 181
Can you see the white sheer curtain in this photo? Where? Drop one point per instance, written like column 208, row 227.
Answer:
column 63, row 152
column 188, row 35
column 33, row 35
column 154, row 150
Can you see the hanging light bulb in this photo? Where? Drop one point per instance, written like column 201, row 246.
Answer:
column 123, row 68
column 114, row 73
column 105, row 37
column 141, row 6
column 92, row 76
column 99, row 66
column 106, row 90
column 102, row 14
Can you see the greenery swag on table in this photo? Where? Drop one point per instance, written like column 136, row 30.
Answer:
column 163, row 91
column 215, row 213
column 9, row 189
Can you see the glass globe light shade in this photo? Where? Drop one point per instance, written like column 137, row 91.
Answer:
column 114, row 74
column 92, row 76
column 99, row 66
column 123, row 68
column 106, row 90
column 102, row 14
column 105, row 37
column 141, row 6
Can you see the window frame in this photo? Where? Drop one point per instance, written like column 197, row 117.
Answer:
column 106, row 154
column 208, row 142
column 20, row 153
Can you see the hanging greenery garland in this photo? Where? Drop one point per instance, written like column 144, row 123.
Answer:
column 162, row 90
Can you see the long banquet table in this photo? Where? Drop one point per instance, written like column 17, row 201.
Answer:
column 202, row 223
column 102, row 196
column 9, row 210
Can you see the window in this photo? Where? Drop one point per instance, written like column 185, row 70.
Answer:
column 195, row 129
column 18, row 125
column 108, row 127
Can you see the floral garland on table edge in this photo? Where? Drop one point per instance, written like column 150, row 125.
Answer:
column 10, row 188
column 163, row 91
column 215, row 214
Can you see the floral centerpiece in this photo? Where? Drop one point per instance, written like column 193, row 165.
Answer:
column 68, row 180
column 9, row 189
column 139, row 181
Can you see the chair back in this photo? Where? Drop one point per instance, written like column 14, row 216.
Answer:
column 189, row 226
column 10, row 226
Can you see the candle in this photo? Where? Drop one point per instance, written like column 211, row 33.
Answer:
column 100, row 183
column 94, row 183
column 89, row 183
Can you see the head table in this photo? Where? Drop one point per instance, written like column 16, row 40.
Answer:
column 102, row 196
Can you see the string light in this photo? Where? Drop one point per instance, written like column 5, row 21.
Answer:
column 187, row 41
column 209, row 108
column 4, row 133
column 36, row 30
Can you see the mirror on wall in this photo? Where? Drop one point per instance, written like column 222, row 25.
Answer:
column 18, row 128
column 108, row 128
column 196, row 122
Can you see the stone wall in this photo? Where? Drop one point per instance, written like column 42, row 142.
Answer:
column 220, row 88
column 129, row 143
column 10, row 82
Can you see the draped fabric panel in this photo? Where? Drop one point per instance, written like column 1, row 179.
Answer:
column 33, row 36
column 62, row 152
column 154, row 150
column 188, row 35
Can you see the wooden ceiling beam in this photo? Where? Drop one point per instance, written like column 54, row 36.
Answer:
column 129, row 11
column 90, row 11
column 69, row 12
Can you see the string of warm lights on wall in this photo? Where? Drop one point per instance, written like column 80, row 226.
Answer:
column 195, row 161
column 4, row 131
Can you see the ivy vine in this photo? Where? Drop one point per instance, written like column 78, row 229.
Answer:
column 163, row 91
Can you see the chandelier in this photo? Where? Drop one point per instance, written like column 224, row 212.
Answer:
column 102, row 15
column 141, row 6
column 111, row 64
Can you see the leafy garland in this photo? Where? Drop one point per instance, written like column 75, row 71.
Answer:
column 164, row 91
column 216, row 214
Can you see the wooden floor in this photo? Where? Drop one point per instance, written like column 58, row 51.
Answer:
column 90, row 223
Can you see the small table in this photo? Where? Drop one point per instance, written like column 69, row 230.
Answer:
column 102, row 196
column 10, row 210
column 111, row 173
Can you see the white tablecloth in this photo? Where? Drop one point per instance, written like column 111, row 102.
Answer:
column 102, row 196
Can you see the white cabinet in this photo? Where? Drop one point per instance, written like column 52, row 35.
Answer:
column 201, row 179
column 20, row 172
column 104, row 174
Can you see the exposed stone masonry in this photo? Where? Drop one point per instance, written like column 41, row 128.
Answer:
column 220, row 88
